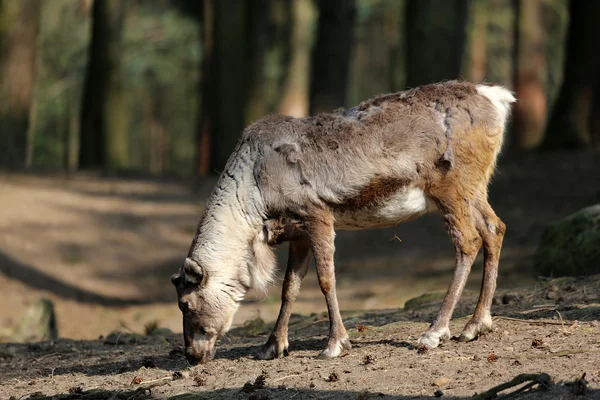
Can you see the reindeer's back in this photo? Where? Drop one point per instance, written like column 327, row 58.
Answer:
column 395, row 138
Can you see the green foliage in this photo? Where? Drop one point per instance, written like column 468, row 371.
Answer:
column 161, row 63
column 64, row 37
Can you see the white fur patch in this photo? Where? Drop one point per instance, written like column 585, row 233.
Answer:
column 262, row 265
column 500, row 97
column 404, row 205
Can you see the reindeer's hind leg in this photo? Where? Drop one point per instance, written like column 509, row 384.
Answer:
column 459, row 218
column 300, row 254
column 491, row 229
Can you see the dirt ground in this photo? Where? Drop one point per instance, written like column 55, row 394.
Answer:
column 102, row 249
column 552, row 327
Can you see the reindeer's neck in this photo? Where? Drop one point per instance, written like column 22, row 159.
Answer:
column 228, row 240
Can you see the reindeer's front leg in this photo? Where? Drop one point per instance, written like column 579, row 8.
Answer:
column 300, row 254
column 321, row 231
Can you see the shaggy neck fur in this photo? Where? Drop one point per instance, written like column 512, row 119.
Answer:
column 229, row 241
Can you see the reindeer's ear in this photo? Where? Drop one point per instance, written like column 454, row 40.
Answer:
column 193, row 271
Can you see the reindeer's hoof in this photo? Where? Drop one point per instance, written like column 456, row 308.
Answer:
column 273, row 349
column 335, row 348
column 476, row 327
column 432, row 338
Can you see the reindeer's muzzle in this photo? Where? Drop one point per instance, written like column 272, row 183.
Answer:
column 199, row 348
column 196, row 355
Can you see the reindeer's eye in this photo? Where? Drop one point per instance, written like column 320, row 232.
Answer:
column 189, row 284
column 176, row 279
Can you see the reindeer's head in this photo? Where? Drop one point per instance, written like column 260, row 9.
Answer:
column 209, row 295
column 208, row 304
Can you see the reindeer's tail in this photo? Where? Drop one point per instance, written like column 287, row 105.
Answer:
column 501, row 98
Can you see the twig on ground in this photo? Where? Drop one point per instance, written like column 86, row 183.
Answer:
column 288, row 376
column 144, row 383
column 311, row 324
column 528, row 321
column 562, row 321
column 540, row 309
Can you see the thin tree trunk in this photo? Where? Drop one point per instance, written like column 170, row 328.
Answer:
column 72, row 143
column 331, row 56
column 555, row 21
column 530, row 111
column 501, row 42
column 475, row 65
column 258, row 29
column 570, row 123
column 206, row 88
column 222, row 83
column 377, row 52
column 104, row 112
column 227, row 122
column 19, row 28
column 595, row 120
column 436, row 37
column 294, row 100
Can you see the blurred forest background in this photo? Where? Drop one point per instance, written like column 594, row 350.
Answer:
column 165, row 87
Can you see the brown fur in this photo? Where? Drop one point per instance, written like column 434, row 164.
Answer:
column 374, row 165
column 451, row 141
column 377, row 190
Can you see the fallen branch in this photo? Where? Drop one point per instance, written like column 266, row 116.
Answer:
column 540, row 309
column 528, row 321
column 542, row 379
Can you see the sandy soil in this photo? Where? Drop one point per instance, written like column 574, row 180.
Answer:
column 533, row 334
column 103, row 249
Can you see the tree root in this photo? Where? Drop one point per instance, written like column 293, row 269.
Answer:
column 542, row 379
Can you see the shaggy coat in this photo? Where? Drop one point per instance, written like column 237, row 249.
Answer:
column 388, row 160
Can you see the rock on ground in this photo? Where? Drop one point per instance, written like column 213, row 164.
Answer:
column 571, row 246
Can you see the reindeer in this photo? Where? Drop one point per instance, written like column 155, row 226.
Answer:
column 389, row 160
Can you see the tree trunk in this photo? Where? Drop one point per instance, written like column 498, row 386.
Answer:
column 258, row 34
column 595, row 120
column 331, row 56
column 556, row 21
column 222, row 83
column 19, row 27
column 377, row 64
column 570, row 123
column 202, row 160
column 530, row 111
column 71, row 149
column 294, row 100
column 229, row 77
column 436, row 38
column 104, row 111
column 475, row 64
column 501, row 42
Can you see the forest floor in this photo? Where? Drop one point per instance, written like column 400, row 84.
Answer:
column 551, row 328
column 102, row 249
